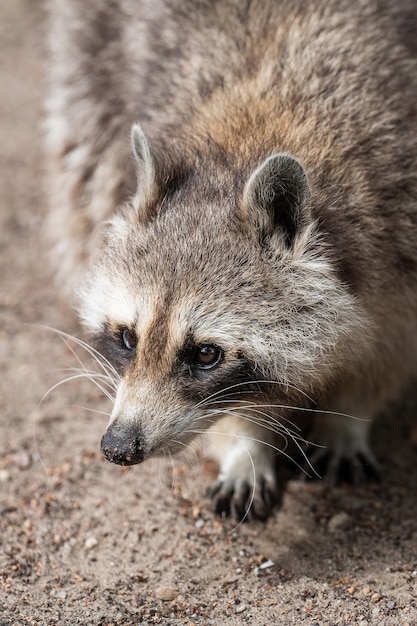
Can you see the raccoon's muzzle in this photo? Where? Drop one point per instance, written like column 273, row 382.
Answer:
column 122, row 445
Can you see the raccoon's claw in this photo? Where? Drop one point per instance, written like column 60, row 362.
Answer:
column 334, row 468
column 243, row 501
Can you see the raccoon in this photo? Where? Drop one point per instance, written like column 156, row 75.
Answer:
column 258, row 279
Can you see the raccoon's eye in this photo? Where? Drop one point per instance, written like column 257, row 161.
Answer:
column 129, row 339
column 206, row 356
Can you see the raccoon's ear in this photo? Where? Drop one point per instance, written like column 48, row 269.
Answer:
column 146, row 167
column 276, row 196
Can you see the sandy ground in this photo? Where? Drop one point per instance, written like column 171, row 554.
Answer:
column 86, row 542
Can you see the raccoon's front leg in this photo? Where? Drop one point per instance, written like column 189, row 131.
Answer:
column 247, row 485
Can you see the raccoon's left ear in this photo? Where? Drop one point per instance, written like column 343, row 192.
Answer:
column 145, row 161
column 276, row 197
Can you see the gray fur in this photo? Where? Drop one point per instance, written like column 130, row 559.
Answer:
column 272, row 213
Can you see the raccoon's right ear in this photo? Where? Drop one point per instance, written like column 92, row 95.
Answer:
column 276, row 197
column 145, row 162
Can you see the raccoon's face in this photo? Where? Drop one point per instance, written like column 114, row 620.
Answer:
column 196, row 307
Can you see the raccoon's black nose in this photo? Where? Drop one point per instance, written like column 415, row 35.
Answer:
column 122, row 445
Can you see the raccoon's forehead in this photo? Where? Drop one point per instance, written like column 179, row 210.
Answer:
column 180, row 249
column 204, row 286
column 203, row 275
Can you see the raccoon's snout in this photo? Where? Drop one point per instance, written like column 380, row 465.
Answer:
column 122, row 445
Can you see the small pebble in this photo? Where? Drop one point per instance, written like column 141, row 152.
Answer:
column 4, row 476
column 240, row 608
column 90, row 543
column 22, row 460
column 340, row 521
column 390, row 604
column 166, row 593
column 58, row 593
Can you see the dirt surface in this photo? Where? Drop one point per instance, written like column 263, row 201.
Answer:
column 86, row 542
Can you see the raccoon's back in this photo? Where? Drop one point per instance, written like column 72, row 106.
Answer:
column 330, row 81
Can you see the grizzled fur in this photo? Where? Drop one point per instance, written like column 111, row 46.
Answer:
column 270, row 214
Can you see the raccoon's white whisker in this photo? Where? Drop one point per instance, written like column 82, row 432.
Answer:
column 37, row 448
column 253, row 382
column 223, row 393
column 240, row 438
column 69, row 379
column 104, row 378
column 308, row 410
column 324, row 412
column 276, row 427
column 105, row 365
column 285, row 433
column 255, row 440
column 86, row 408
column 103, row 361
column 173, row 470
column 188, row 447
column 279, row 428
column 95, row 354
column 252, row 495
column 255, row 409
column 93, row 378
column 265, row 421
column 224, row 398
column 289, row 407
column 232, row 401
column 191, row 446
column 99, row 380
column 161, row 483
column 282, row 430
column 257, row 422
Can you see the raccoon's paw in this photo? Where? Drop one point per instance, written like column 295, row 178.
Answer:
column 345, row 455
column 244, row 501
column 246, row 490
column 335, row 467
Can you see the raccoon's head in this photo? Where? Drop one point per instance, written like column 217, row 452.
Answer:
column 210, row 288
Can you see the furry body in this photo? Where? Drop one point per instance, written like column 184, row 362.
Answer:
column 272, row 218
